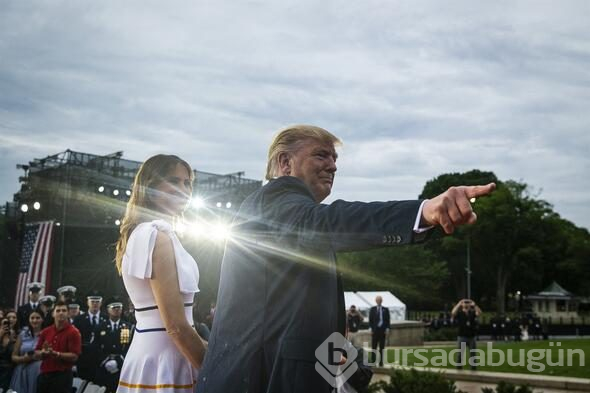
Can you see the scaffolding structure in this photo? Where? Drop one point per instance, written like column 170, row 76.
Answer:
column 86, row 195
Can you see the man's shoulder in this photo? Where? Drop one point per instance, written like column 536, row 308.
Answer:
column 80, row 319
column 276, row 188
column 286, row 184
column 48, row 330
column 71, row 329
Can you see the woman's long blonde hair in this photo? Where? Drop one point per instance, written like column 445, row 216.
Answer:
column 140, row 208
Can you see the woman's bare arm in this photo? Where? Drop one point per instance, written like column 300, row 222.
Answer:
column 164, row 283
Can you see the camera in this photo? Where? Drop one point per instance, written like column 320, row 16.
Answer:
column 5, row 323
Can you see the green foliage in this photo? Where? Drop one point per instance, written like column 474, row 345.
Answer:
column 411, row 272
column 442, row 334
column 520, row 354
column 412, row 381
column 518, row 243
column 441, row 183
column 507, row 387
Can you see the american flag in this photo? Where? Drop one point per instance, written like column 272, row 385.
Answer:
column 35, row 260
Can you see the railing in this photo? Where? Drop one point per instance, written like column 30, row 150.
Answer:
column 486, row 318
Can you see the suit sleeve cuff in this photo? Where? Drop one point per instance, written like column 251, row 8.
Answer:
column 417, row 228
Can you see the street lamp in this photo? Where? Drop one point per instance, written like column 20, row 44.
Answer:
column 468, row 267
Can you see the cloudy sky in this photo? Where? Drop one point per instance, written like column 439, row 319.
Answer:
column 414, row 89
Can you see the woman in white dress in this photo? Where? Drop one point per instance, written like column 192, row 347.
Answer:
column 161, row 279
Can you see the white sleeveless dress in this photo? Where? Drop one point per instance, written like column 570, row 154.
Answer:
column 153, row 363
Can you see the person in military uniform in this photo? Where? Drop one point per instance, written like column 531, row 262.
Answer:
column 89, row 325
column 46, row 305
column 73, row 311
column 24, row 310
column 113, row 340
column 67, row 294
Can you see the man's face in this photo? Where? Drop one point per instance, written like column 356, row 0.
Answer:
column 115, row 313
column 94, row 306
column 73, row 312
column 34, row 296
column 315, row 164
column 378, row 300
column 60, row 313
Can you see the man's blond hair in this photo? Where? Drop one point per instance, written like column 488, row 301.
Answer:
column 289, row 140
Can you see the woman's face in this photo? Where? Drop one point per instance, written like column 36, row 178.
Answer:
column 11, row 316
column 35, row 320
column 172, row 195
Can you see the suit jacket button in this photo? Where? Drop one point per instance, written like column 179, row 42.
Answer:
column 398, row 238
column 384, row 239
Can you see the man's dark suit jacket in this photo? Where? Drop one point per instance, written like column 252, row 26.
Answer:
column 374, row 319
column 279, row 294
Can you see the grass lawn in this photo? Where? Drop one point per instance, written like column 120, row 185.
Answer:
column 530, row 357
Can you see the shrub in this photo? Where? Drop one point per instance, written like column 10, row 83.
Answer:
column 412, row 381
column 442, row 334
column 507, row 387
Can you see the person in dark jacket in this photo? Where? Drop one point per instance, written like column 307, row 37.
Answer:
column 112, row 342
column 466, row 314
column 24, row 310
column 353, row 323
column 89, row 326
column 280, row 295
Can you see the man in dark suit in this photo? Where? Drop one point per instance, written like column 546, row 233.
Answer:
column 24, row 310
column 280, row 295
column 379, row 323
column 89, row 324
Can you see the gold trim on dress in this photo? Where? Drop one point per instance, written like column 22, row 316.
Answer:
column 161, row 386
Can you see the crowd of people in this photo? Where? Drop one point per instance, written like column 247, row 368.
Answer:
column 104, row 339
column 500, row 327
column 93, row 347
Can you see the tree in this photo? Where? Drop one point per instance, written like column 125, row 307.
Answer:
column 412, row 273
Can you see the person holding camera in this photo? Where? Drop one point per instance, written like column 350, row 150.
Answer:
column 466, row 314
column 58, row 347
column 24, row 377
column 7, row 339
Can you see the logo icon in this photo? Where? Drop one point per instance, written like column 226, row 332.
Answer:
column 330, row 354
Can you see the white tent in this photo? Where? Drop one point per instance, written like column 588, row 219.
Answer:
column 397, row 309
